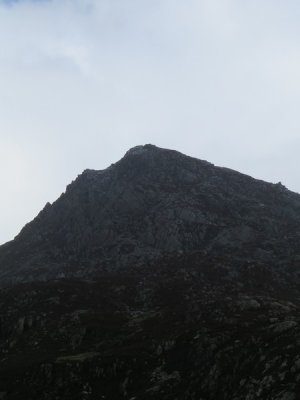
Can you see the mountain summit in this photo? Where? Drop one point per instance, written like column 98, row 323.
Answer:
column 151, row 204
column 161, row 277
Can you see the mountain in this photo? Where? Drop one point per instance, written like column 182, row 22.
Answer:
column 153, row 203
column 161, row 277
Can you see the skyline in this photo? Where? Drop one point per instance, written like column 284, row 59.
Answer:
column 83, row 81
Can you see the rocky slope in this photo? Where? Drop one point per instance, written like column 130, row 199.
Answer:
column 161, row 277
column 152, row 203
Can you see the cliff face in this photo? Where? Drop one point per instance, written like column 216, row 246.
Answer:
column 161, row 277
column 151, row 204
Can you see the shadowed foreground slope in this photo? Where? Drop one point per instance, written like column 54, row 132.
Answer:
column 161, row 277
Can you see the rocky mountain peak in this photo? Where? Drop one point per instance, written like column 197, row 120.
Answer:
column 151, row 204
column 141, row 150
column 162, row 276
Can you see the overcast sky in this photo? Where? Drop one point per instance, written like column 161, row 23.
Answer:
column 82, row 81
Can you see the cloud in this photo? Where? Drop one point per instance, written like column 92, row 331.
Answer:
column 81, row 81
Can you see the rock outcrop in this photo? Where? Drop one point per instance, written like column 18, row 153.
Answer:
column 153, row 203
column 161, row 277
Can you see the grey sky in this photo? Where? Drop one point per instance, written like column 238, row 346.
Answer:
column 81, row 81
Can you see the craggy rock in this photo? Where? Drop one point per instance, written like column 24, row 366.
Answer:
column 162, row 277
column 154, row 203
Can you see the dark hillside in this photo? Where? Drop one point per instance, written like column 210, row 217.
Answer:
column 161, row 277
column 153, row 203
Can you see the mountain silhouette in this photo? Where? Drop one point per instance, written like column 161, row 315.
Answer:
column 160, row 277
